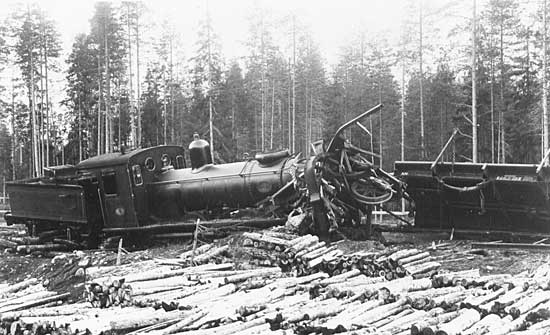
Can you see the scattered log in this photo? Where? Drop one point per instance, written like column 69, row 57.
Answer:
column 38, row 302
column 197, row 251
column 253, row 273
column 429, row 325
column 145, row 318
column 465, row 319
column 184, row 322
column 414, row 258
column 476, row 301
column 525, row 305
column 396, row 256
column 450, row 278
column 46, row 311
column 214, row 252
column 480, row 327
column 422, row 268
column 492, row 245
column 269, row 241
column 19, row 286
column 7, row 244
column 40, row 247
column 380, row 312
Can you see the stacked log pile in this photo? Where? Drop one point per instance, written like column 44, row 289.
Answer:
column 218, row 299
column 201, row 293
column 307, row 255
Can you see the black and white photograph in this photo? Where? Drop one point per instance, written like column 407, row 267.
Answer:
column 285, row 167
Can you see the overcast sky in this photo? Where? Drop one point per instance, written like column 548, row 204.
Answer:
column 331, row 22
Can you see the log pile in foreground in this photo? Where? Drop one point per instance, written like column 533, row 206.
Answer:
column 218, row 299
column 170, row 297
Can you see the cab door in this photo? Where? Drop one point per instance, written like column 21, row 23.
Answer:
column 118, row 209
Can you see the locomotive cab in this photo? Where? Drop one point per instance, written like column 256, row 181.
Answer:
column 122, row 178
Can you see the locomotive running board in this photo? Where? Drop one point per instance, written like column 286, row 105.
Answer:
column 171, row 227
column 511, row 197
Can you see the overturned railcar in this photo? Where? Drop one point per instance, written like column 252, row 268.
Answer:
column 512, row 197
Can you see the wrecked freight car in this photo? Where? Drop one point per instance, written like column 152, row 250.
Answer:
column 478, row 196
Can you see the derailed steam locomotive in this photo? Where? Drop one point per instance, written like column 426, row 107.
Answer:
column 153, row 189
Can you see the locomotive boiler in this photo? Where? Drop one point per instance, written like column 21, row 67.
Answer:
column 210, row 187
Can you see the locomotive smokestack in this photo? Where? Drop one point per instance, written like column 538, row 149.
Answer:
column 199, row 152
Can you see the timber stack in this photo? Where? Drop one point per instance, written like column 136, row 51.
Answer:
column 206, row 292
column 221, row 299
column 307, row 255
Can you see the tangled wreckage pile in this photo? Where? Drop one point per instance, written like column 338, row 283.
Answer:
column 316, row 288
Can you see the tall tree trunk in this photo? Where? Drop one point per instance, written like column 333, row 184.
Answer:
column 34, row 147
column 13, row 136
column 272, row 115
column 47, row 162
column 501, row 112
column 306, row 119
column 262, row 84
column 171, row 83
column 403, row 108
column 421, row 80
column 165, row 114
column 40, row 118
column 380, row 124
column 289, row 106
column 233, row 134
column 474, row 100
column 282, row 138
column 119, row 108
column 79, row 130
column 109, row 129
column 130, row 79
column 138, row 102
column 210, row 111
column 492, row 93
column 99, row 141
column 293, row 83
column 310, row 121
column 544, row 86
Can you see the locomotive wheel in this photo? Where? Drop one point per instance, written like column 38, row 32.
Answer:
column 371, row 193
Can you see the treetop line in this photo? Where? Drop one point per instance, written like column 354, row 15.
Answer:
column 493, row 88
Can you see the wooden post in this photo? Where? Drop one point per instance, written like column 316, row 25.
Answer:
column 119, row 253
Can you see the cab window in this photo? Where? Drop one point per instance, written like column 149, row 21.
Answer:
column 136, row 172
column 109, row 183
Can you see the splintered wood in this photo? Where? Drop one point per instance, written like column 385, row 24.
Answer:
column 315, row 289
